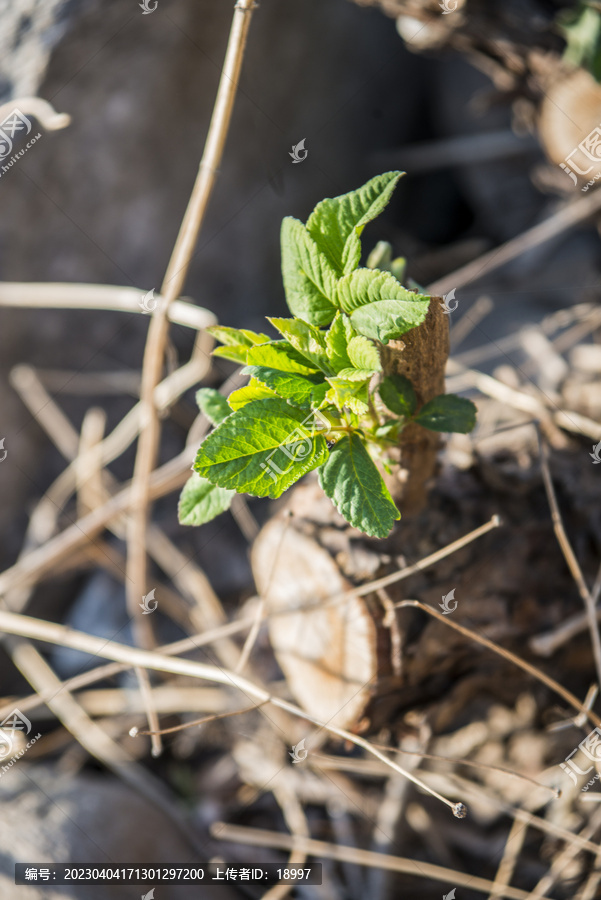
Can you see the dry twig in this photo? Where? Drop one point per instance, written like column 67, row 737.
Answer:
column 570, row 557
column 258, row 837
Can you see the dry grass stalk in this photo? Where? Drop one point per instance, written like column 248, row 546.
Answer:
column 570, row 557
column 563, row 220
column 93, row 738
column 37, row 629
column 152, row 366
column 507, row 654
column 564, row 859
column 511, row 854
column 33, row 701
column 258, row 837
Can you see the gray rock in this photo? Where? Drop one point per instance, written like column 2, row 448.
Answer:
column 48, row 816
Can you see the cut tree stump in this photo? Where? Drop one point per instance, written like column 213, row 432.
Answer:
column 334, row 656
column 341, row 660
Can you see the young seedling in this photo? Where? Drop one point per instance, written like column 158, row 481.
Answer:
column 317, row 397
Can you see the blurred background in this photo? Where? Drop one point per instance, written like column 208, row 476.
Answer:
column 480, row 103
column 101, row 201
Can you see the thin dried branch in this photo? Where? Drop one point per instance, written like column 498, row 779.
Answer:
column 546, row 826
column 564, row 859
column 33, row 701
column 546, row 644
column 296, row 820
column 563, row 220
column 92, row 737
column 587, row 312
column 152, row 366
column 251, row 638
column 134, row 732
column 37, row 629
column 258, row 837
column 511, row 853
column 470, row 320
column 40, row 109
column 511, row 657
column 394, row 577
column 470, row 763
column 570, row 556
column 244, row 518
column 169, row 699
column 57, row 295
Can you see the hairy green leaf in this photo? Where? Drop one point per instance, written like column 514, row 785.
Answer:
column 364, row 355
column 388, row 320
column 348, row 394
column 231, row 337
column 309, row 279
column 448, row 413
column 380, row 257
column 235, row 353
column 336, row 223
column 213, row 405
column 365, row 286
column 254, row 390
column 389, row 430
column 280, row 355
column 237, row 341
column 306, row 339
column 397, row 393
column 261, row 449
column 353, row 374
column 351, row 480
column 200, row 501
column 303, row 390
column 338, row 336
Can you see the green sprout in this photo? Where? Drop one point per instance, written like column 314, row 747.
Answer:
column 317, row 397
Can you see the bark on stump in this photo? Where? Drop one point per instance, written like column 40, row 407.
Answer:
column 421, row 356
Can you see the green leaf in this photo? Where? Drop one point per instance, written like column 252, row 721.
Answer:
column 261, row 449
column 200, row 501
column 397, row 393
column 386, row 320
column 380, row 307
column 348, row 394
column 448, row 413
column 353, row 374
column 351, row 480
column 364, row 355
column 232, row 337
column 581, row 28
column 338, row 336
column 336, row 224
column 256, row 337
column 309, row 279
column 303, row 390
column 237, row 341
column 306, row 339
column 389, row 430
column 252, row 391
column 213, row 405
column 236, row 354
column 380, row 257
column 365, row 286
column 398, row 268
column 280, row 355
